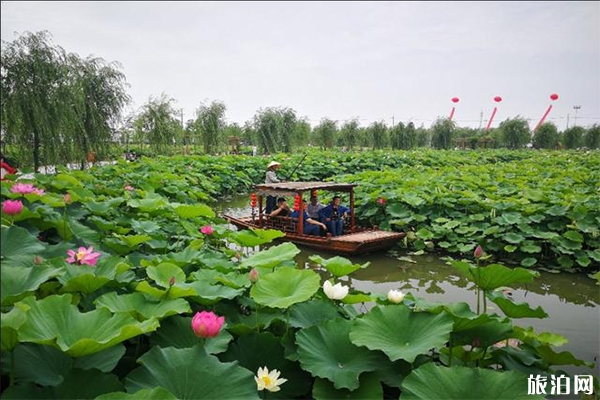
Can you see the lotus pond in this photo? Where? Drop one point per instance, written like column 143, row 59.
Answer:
column 122, row 282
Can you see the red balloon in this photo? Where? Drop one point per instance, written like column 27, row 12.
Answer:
column 455, row 99
column 554, row 96
column 497, row 99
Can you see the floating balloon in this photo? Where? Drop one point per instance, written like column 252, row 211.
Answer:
column 554, row 96
column 497, row 99
column 455, row 99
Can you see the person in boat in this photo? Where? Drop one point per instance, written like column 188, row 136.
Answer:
column 271, row 177
column 314, row 207
column 333, row 216
column 282, row 210
column 6, row 168
column 311, row 226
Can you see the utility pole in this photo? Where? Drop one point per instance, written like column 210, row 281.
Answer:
column 181, row 111
column 567, row 121
column 392, row 121
column 576, row 108
column 480, row 119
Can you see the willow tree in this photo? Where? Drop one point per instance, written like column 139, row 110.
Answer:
column 349, row 134
column 276, row 129
column 210, row 121
column 325, row 133
column 378, row 135
column 442, row 132
column 158, row 124
column 546, row 136
column 515, row 133
column 55, row 106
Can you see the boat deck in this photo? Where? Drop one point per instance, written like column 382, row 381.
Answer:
column 366, row 236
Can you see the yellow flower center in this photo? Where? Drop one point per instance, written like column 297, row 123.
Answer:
column 266, row 380
column 80, row 255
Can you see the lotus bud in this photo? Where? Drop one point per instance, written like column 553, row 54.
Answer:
column 172, row 281
column 207, row 324
column 207, row 230
column 37, row 260
column 395, row 296
column 67, row 198
column 478, row 252
column 12, row 207
column 253, row 275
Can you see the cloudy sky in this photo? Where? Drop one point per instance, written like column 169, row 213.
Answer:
column 390, row 61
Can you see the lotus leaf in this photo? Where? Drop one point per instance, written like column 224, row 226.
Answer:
column 177, row 332
column 513, row 310
column 326, row 351
column 494, row 275
column 54, row 320
column 157, row 393
column 138, row 303
column 369, row 388
column 18, row 241
column 431, row 381
column 191, row 374
column 17, row 282
column 284, row 287
column 271, row 257
column 401, row 333
column 338, row 266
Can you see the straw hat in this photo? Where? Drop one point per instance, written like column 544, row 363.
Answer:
column 272, row 164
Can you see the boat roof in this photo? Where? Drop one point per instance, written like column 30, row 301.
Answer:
column 294, row 187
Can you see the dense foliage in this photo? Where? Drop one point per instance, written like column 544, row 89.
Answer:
column 116, row 321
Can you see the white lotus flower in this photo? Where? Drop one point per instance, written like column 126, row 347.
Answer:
column 268, row 380
column 395, row 296
column 335, row 292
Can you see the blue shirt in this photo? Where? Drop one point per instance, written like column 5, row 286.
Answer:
column 329, row 212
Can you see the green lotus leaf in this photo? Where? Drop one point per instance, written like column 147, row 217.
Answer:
column 133, row 241
column 509, row 219
column 356, row 298
column 183, row 258
column 583, row 261
column 18, row 282
column 485, row 330
column 216, row 260
column 103, row 207
column 164, row 272
column 245, row 351
column 210, row 294
column 18, row 241
column 509, row 248
column 424, row 234
column 401, row 333
column 494, row 275
column 557, row 211
column 150, row 204
column 284, row 287
column 565, row 261
column 84, row 233
column 47, row 365
column 145, row 226
column 233, row 280
column 88, row 279
column 312, row 312
column 369, row 388
column 271, row 257
column 191, row 374
column 54, row 320
column 194, row 211
column 531, row 248
column 157, row 393
column 430, row 381
column 176, row 291
column 11, row 322
column 78, row 384
column 255, row 237
column 177, row 332
column 528, row 262
column 514, row 310
column 546, row 235
column 338, row 266
column 528, row 335
column 513, row 238
column 325, row 351
column 139, row 304
column 562, row 358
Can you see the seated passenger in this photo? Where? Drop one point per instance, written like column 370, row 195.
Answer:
column 314, row 207
column 311, row 226
column 333, row 215
column 282, row 210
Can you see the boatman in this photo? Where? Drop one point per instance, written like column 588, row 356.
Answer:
column 271, row 177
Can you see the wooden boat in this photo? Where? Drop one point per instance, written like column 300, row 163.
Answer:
column 354, row 240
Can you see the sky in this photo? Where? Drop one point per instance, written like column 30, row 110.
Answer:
column 373, row 61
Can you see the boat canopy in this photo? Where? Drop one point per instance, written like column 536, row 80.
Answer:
column 290, row 188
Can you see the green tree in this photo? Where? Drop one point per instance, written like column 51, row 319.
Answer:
column 302, row 133
column 546, row 136
column 515, row 133
column 325, row 133
column 592, row 137
column 423, row 136
column 57, row 107
column 349, row 134
column 378, row 135
column 210, row 121
column 442, row 132
column 572, row 138
column 397, row 136
column 158, row 124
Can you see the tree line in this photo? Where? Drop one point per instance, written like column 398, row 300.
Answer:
column 59, row 108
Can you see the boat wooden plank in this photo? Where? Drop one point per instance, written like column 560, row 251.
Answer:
column 367, row 236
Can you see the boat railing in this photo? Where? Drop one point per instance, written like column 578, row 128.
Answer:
column 285, row 224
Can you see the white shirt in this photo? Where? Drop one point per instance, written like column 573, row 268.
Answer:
column 271, row 177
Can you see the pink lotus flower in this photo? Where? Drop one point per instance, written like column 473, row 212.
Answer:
column 381, row 201
column 129, row 188
column 253, row 275
column 478, row 252
column 12, row 207
column 67, row 198
column 38, row 191
column 22, row 188
column 207, row 324
column 83, row 256
column 207, row 230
